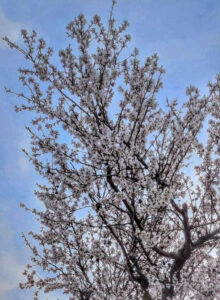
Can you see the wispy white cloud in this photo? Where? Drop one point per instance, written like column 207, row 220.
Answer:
column 17, row 165
column 13, row 258
column 11, row 273
column 9, row 28
column 10, row 265
column 24, row 165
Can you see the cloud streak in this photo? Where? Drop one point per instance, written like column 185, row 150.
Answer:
column 10, row 265
column 10, row 29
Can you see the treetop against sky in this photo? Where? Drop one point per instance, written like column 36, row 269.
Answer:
column 184, row 34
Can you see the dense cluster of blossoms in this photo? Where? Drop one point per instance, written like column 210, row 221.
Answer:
column 122, row 218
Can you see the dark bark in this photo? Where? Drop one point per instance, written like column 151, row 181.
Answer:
column 167, row 293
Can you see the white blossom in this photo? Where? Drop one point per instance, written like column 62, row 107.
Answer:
column 122, row 218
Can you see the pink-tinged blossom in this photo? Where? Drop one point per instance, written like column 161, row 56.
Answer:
column 122, row 218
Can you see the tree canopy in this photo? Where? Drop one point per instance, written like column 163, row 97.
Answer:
column 123, row 218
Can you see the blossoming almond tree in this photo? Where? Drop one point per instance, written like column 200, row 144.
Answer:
column 122, row 219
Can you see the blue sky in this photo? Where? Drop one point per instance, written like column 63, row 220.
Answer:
column 186, row 36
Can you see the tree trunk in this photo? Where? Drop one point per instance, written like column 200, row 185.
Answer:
column 146, row 296
column 167, row 293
